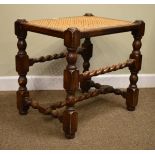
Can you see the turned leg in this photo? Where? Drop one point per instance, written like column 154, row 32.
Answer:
column 22, row 67
column 86, row 55
column 71, row 82
column 132, row 90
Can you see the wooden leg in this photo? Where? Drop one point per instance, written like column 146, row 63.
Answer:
column 71, row 82
column 132, row 90
column 22, row 67
column 86, row 55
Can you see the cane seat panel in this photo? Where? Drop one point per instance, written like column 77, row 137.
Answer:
column 83, row 23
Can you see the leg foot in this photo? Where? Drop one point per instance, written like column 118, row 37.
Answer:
column 22, row 105
column 70, row 118
column 132, row 98
column 70, row 136
column 129, row 108
column 85, row 85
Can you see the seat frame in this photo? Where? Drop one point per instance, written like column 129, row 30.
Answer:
column 72, row 77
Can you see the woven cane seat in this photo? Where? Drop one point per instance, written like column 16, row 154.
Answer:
column 83, row 23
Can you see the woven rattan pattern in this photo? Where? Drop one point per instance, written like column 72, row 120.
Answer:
column 83, row 23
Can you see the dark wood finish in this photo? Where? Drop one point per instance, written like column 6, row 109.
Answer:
column 109, row 89
column 46, row 58
column 88, row 74
column 41, row 59
column 22, row 67
column 88, row 14
column 100, row 89
column 72, row 78
column 133, row 91
column 71, row 81
column 104, row 89
column 54, row 109
column 86, row 55
column 51, row 110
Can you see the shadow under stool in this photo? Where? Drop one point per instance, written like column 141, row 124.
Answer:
column 72, row 29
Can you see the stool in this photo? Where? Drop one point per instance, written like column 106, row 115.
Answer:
column 72, row 29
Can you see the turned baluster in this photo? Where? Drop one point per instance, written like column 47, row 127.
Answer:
column 85, row 84
column 71, row 81
column 132, row 90
column 22, row 67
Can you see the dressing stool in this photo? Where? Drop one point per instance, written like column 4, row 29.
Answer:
column 72, row 29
